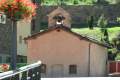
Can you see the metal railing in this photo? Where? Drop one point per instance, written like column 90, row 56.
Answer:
column 29, row 72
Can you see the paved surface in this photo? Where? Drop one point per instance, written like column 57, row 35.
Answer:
column 84, row 78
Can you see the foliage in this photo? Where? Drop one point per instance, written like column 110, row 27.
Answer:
column 113, row 50
column 117, row 57
column 105, row 36
column 116, row 43
column 75, row 2
column 90, row 22
column 117, row 1
column 96, row 33
column 79, row 2
column 18, row 9
column 102, row 23
column 102, row 2
column 118, row 19
column 116, row 47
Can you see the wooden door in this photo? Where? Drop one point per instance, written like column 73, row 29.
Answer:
column 57, row 70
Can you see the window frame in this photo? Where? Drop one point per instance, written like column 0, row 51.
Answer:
column 73, row 69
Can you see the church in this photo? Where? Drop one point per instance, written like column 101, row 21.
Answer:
column 65, row 53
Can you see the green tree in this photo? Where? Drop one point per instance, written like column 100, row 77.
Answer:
column 102, row 2
column 116, row 42
column 62, row 2
column 42, row 1
column 75, row 2
column 102, row 23
column 106, row 36
column 90, row 22
column 116, row 46
column 117, row 1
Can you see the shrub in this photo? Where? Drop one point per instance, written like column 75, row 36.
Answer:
column 4, row 67
column 75, row 2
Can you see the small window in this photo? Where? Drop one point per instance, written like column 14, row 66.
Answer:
column 72, row 69
column 43, row 68
column 20, row 39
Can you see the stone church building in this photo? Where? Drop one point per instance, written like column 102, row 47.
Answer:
column 65, row 53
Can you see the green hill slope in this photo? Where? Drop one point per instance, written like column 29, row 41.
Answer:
column 95, row 33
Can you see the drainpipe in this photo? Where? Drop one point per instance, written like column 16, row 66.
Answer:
column 89, row 49
column 107, row 65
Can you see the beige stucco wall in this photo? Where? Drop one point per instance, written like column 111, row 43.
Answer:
column 98, row 60
column 23, row 29
column 62, row 48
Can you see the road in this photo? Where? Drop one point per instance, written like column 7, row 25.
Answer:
column 84, row 78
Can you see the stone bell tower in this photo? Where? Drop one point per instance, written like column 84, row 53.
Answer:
column 59, row 17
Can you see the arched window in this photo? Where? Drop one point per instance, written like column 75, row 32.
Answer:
column 59, row 19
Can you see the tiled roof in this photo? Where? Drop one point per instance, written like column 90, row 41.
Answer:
column 81, row 36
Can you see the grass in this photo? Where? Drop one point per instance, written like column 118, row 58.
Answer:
column 73, row 2
column 95, row 33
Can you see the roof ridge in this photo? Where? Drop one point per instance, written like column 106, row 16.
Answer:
column 85, row 37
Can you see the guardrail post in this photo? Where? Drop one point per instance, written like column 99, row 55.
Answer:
column 30, row 73
column 15, row 77
column 24, row 75
column 38, row 69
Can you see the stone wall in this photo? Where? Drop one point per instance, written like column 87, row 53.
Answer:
column 5, row 38
column 81, row 13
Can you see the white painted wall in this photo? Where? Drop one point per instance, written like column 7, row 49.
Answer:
column 24, row 30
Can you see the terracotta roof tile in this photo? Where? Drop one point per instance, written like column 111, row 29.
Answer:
column 81, row 36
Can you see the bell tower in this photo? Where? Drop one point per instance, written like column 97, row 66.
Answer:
column 59, row 17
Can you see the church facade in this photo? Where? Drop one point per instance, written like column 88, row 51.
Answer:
column 65, row 53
